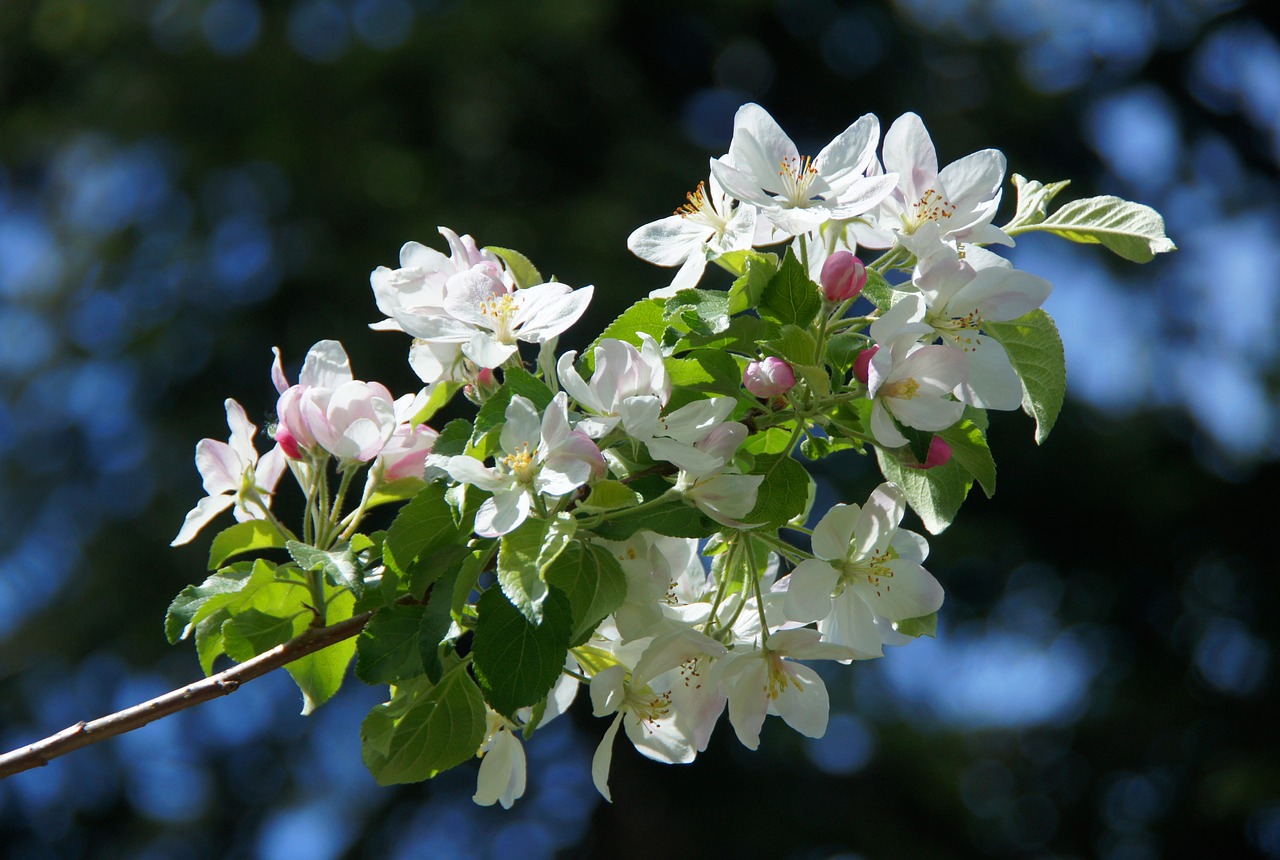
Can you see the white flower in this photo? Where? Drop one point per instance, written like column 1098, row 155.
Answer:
column 796, row 193
column 418, row 286
column 642, row 699
column 541, row 457
column 487, row 319
column 767, row 680
column 709, row 224
column 622, row 372
column 913, row 383
column 867, row 575
column 675, row 437
column 233, row 476
column 502, row 766
column 961, row 199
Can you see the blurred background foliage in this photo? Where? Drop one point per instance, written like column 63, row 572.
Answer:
column 186, row 183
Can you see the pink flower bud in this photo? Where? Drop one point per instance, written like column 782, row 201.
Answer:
column 939, row 454
column 769, row 378
column 862, row 363
column 843, row 276
column 288, row 443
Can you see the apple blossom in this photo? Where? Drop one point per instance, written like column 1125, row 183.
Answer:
column 769, row 377
column 842, row 277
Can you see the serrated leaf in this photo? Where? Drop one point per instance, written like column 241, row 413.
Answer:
column 674, row 519
column 784, row 492
column 879, row 291
column 524, row 556
column 209, row 641
column 754, row 271
column 437, row 621
column 319, row 675
column 771, row 441
column 843, row 349
column 515, row 660
column 790, row 297
column 241, row 538
column 437, row 728
column 793, row 344
column 437, row 400
column 526, row 274
column 339, row 565
column 969, row 449
column 593, row 581
column 741, row 337
column 704, row 312
column 706, row 370
column 181, row 616
column 422, row 526
column 387, row 650
column 934, row 494
column 1036, row 353
column 1132, row 230
column 453, row 438
column 401, row 490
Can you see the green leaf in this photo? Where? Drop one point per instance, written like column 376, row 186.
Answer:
column 926, row 625
column 437, row 621
column 525, row 272
column 784, row 493
column 754, row 270
column 704, row 312
column 180, row 619
column 645, row 316
column 740, row 337
column 1132, row 230
column 339, row 565
column 707, row 370
column 515, row 660
column 494, row 412
column 969, row 449
column 424, row 730
column 1035, row 350
column 453, row 438
column 400, row 490
column 437, row 400
column 593, row 581
column 387, row 650
column 843, row 349
column 319, row 675
column 209, row 642
column 934, row 494
column 790, row 296
column 608, row 496
column 253, row 632
column 525, row 554
column 879, row 291
column 771, row 441
column 243, row 537
column 794, row 345
column 423, row 526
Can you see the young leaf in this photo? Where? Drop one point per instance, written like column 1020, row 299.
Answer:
column 241, row 538
column 754, row 270
column 1033, row 200
column 969, row 449
column 319, row 675
column 926, row 625
column 422, row 527
column 438, row 399
column 704, row 312
column 790, row 297
column 339, row 565
column 1035, row 350
column 784, row 493
column 525, row 273
column 644, row 316
column 708, row 370
column 1132, row 230
column 180, row 619
column 525, row 554
column 934, row 494
column 609, row 496
column 517, row 662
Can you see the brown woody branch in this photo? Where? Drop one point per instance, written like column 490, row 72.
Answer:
column 83, row 733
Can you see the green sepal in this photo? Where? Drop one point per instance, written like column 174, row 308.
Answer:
column 926, row 625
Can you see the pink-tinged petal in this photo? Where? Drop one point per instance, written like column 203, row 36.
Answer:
column 362, row 440
column 269, row 469
column 668, row 241
column 693, row 421
column 603, row 758
column 205, row 510
column 573, row 383
column 851, row 624
column 219, row 465
column 809, row 592
column 727, row 498
column 910, row 592
column 846, row 157
column 803, row 703
column 277, row 372
column 971, row 181
column 469, row 470
column 992, row 382
column 909, row 152
column 834, row 532
column 684, row 455
column 415, row 255
column 1000, row 295
column 326, row 366
column 543, row 321
column 242, row 432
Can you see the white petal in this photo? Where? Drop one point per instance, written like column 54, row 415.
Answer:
column 809, row 594
column 205, row 510
column 326, row 366
column 803, row 704
column 834, row 532
column 603, row 758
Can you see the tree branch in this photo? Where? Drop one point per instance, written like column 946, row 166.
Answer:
column 83, row 733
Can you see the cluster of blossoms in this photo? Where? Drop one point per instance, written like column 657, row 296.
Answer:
column 635, row 518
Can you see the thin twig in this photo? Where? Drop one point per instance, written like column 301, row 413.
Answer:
column 83, row 733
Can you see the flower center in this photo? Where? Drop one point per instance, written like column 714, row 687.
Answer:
column 873, row 571
column 798, row 173
column 779, row 678
column 931, row 206
column 902, row 389
column 961, row 331
column 500, row 310
column 522, row 464
column 649, row 706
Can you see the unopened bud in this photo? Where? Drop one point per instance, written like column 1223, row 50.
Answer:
column 769, row 378
column 288, row 443
column 939, row 454
column 843, row 277
column 862, row 363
